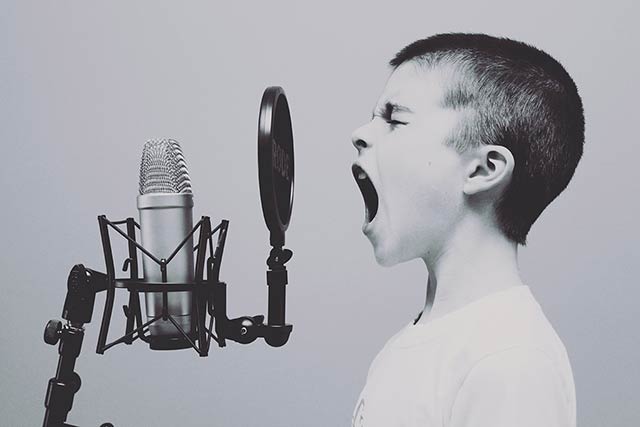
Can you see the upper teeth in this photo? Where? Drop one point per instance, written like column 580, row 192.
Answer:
column 362, row 175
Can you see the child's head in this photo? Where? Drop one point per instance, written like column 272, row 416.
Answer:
column 468, row 124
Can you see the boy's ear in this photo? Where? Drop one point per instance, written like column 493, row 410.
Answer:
column 489, row 168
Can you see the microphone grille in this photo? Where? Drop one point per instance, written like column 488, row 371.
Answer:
column 163, row 169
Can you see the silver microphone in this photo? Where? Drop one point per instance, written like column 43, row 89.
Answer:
column 165, row 204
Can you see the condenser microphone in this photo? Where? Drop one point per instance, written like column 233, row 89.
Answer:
column 165, row 204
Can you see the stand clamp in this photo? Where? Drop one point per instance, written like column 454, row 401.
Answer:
column 246, row 329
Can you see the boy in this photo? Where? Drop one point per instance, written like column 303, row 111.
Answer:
column 471, row 139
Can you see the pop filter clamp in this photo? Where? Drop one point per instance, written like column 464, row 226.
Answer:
column 276, row 178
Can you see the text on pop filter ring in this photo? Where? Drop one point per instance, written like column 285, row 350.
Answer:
column 280, row 160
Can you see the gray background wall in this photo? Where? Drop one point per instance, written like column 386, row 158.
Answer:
column 84, row 84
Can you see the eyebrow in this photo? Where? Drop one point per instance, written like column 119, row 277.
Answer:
column 390, row 108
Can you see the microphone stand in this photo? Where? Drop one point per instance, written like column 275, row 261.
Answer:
column 82, row 286
column 209, row 297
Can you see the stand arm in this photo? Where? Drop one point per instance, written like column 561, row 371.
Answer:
column 82, row 286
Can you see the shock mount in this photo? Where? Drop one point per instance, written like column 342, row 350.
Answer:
column 209, row 307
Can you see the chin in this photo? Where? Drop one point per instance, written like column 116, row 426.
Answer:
column 390, row 255
column 385, row 261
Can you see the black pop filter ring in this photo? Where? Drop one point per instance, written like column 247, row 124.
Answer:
column 275, row 162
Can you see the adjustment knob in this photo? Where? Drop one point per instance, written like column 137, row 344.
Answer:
column 75, row 382
column 52, row 332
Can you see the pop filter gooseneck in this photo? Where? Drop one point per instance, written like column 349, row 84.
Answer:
column 275, row 163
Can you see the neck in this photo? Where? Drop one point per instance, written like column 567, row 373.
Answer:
column 476, row 262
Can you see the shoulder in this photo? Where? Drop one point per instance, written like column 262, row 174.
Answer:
column 511, row 361
column 520, row 386
column 513, row 368
column 513, row 320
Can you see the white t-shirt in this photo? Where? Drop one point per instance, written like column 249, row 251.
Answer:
column 496, row 362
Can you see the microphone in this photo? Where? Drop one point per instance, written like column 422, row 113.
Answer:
column 165, row 205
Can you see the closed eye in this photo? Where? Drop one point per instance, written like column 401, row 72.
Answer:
column 395, row 122
column 386, row 112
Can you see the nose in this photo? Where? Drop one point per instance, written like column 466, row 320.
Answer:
column 359, row 139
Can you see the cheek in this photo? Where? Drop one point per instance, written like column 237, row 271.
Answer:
column 441, row 194
column 401, row 170
column 414, row 178
column 422, row 194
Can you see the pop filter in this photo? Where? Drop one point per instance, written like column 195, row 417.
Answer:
column 275, row 162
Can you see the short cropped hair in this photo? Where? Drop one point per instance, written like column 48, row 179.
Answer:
column 518, row 97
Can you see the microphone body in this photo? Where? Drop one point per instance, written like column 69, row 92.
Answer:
column 165, row 205
column 165, row 220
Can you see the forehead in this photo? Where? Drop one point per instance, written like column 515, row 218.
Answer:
column 415, row 86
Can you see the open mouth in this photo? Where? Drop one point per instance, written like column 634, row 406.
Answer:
column 368, row 191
